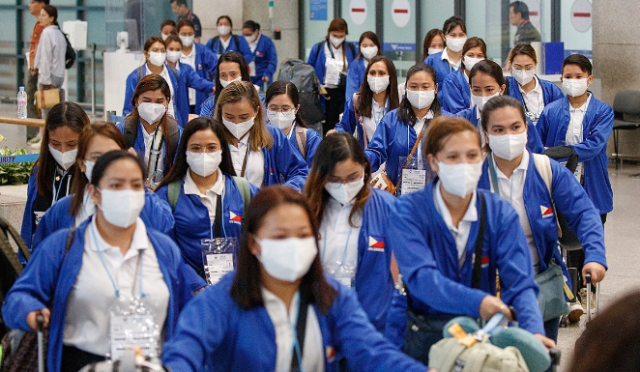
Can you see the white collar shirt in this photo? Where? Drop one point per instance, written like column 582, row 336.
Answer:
column 225, row 44
column 534, row 100
column 575, row 130
column 254, row 171
column 148, row 144
column 210, row 198
column 334, row 65
column 418, row 127
column 190, row 60
column 445, row 56
column 377, row 113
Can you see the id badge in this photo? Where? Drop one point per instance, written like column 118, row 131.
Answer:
column 332, row 74
column 133, row 327
column 413, row 180
column 218, row 258
column 344, row 274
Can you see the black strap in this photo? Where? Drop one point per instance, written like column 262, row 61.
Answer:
column 218, row 218
column 301, row 329
column 477, row 264
column 130, row 130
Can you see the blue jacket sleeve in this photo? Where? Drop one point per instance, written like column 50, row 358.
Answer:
column 313, row 141
column 313, row 58
column 157, row 213
column 381, row 141
column 132, row 82
column 54, row 219
column 534, row 144
column 209, row 61
column 206, row 111
column 196, row 82
column 451, row 94
column 272, row 55
column 348, row 121
column 543, row 126
column 244, row 49
column 353, row 79
column 596, row 139
column 394, row 329
column 289, row 161
column 27, row 218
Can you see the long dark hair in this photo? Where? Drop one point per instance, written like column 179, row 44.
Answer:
column 428, row 39
column 490, row 68
column 67, row 114
column 180, row 165
column 371, row 36
column 52, row 11
column 332, row 150
column 473, row 42
column 233, row 57
column 366, row 94
column 290, row 90
column 105, row 161
column 245, row 289
column 497, row 103
column 405, row 112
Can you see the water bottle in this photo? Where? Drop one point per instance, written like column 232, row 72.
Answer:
column 22, row 104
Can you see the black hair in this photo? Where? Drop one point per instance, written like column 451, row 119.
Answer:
column 168, row 22
column 497, row 103
column 520, row 7
column 405, row 111
column 225, row 17
column 290, row 90
column 252, row 25
column 371, row 36
column 490, row 68
column 46, row 2
column 579, row 60
column 234, row 57
column 452, row 23
column 363, row 106
column 105, row 161
column 178, row 2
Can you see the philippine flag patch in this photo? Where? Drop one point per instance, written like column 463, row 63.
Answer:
column 258, row 54
column 546, row 211
column 331, row 354
column 485, row 262
column 235, row 218
column 376, row 244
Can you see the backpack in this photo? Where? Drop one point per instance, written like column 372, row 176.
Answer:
column 10, row 265
column 173, row 192
column 69, row 54
column 303, row 76
column 301, row 140
column 220, row 51
column 449, row 355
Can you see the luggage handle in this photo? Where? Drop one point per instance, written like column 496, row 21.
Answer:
column 589, row 284
column 40, row 327
column 555, row 355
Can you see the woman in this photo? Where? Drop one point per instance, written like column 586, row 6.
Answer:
column 231, row 67
column 149, row 130
column 377, row 96
column 534, row 93
column 208, row 201
column 265, row 57
column 188, row 79
column 51, row 176
column 72, row 210
column 369, row 47
column 260, row 153
column 449, row 60
column 71, row 283
column 433, row 43
column 514, row 173
column 155, row 54
column 167, row 28
column 331, row 58
column 351, row 214
column 50, row 55
column 487, row 81
column 396, row 137
column 256, row 309
column 283, row 111
column 226, row 41
column 200, row 59
column 455, row 91
column 447, row 261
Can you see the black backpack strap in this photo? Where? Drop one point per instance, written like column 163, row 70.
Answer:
column 140, row 72
column 477, row 264
column 301, row 329
column 130, row 130
column 174, row 137
column 235, row 40
column 175, row 73
column 218, row 218
column 301, row 140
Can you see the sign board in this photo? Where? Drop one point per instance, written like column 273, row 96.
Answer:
column 358, row 11
column 401, row 13
column 318, row 10
column 581, row 15
column 399, row 47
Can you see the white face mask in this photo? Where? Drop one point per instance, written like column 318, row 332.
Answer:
column 157, row 59
column 64, row 159
column 455, row 44
column 480, row 101
column 469, row 62
column 421, row 98
column 508, row 146
column 287, row 259
column 204, row 164
column 523, row 77
column 174, row 56
column 378, row 84
column 224, row 83
column 282, row 120
column 224, row 30
column 574, row 87
column 344, row 192
column 151, row 112
column 459, row 179
column 251, row 39
column 336, row 41
column 187, row 40
column 434, row 50
column 88, row 168
column 121, row 207
column 369, row 52
column 240, row 129
column 164, row 37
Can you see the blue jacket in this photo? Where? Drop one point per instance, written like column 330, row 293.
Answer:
column 550, row 91
column 428, row 259
column 313, row 141
column 206, row 66
column 189, row 79
column 132, row 83
column 317, row 58
column 50, row 276
column 265, row 58
column 533, row 138
column 355, row 77
column 242, row 47
column 570, row 199
column 155, row 214
column 442, row 67
column 597, row 126
column 193, row 222
column 283, row 163
column 455, row 93
column 391, row 140
column 350, row 123
column 218, row 333
column 209, row 106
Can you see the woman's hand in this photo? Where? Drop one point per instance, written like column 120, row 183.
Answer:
column 32, row 318
column 596, row 270
column 546, row 341
column 492, row 305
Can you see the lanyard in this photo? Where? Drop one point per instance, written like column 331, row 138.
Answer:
column 56, row 196
column 296, row 343
column 156, row 147
column 344, row 54
column 325, row 238
column 246, row 157
column 113, row 283
column 494, row 179
column 219, row 227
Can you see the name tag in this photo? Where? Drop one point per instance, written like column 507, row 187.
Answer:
column 413, row 180
column 139, row 331
column 217, row 266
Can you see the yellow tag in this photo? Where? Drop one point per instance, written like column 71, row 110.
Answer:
column 460, row 335
column 568, row 293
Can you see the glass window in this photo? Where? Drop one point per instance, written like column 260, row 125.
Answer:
column 400, row 34
column 360, row 16
column 318, row 14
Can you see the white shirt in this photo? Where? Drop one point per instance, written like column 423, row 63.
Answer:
column 575, row 130
column 338, row 239
column 87, row 210
column 461, row 233
column 210, row 198
column 254, row 171
column 534, row 100
column 284, row 324
column 165, row 75
column 377, row 112
column 418, row 127
column 190, row 60
column 445, row 55
column 92, row 296
column 225, row 44
column 511, row 189
column 253, row 46
column 50, row 57
column 333, row 66
column 148, row 143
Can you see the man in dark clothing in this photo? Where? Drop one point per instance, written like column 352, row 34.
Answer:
column 179, row 8
column 519, row 17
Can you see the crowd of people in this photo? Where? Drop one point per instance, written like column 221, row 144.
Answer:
column 249, row 241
